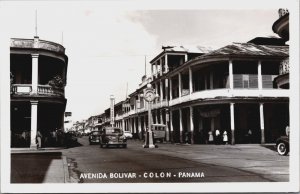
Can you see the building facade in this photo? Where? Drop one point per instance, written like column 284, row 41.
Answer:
column 38, row 71
column 241, row 90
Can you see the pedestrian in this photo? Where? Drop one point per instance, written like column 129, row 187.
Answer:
column 225, row 137
column 217, row 132
column 249, row 136
column 287, row 131
column 210, row 137
column 39, row 139
column 186, row 139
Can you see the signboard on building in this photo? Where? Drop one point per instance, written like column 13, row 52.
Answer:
column 68, row 114
column 112, row 111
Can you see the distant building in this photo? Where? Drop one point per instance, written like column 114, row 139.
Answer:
column 38, row 77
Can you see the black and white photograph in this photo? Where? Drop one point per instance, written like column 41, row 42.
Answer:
column 140, row 96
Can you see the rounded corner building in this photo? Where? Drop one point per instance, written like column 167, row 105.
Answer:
column 38, row 74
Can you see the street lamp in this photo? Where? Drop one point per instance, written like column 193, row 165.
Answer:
column 149, row 95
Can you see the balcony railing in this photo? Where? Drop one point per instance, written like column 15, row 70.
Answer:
column 48, row 90
column 21, row 88
column 42, row 90
column 245, row 81
column 42, row 44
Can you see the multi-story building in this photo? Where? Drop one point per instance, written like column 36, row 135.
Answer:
column 38, row 78
column 281, row 27
column 93, row 123
column 241, row 88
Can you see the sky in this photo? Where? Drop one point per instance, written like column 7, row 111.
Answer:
column 107, row 44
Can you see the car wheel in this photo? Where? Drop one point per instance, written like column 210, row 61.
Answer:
column 101, row 146
column 125, row 146
column 282, row 149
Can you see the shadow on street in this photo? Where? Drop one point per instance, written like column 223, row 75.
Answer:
column 271, row 147
column 31, row 167
column 73, row 144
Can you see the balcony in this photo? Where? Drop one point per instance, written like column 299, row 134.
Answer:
column 40, row 44
column 228, row 93
column 26, row 89
column 250, row 81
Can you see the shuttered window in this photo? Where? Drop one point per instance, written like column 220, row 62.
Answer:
column 267, row 81
column 245, row 81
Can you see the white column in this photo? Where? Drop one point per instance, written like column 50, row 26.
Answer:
column 171, row 97
column 140, row 127
column 259, row 75
column 232, row 122
column 192, row 124
column 190, row 80
column 123, row 124
column 185, row 58
column 262, row 122
column 230, row 75
column 156, row 68
column 161, row 90
column 171, row 125
column 179, row 84
column 156, row 91
column 34, row 73
column 180, row 124
column 152, row 73
column 134, row 125
column 34, row 114
column 161, row 65
column 167, row 126
column 166, row 63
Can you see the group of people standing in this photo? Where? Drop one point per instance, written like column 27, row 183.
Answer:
column 51, row 138
column 215, row 137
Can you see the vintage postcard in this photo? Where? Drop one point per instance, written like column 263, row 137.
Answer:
column 147, row 96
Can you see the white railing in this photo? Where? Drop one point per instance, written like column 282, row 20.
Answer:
column 21, row 88
column 48, row 90
column 41, row 44
column 227, row 93
column 42, row 89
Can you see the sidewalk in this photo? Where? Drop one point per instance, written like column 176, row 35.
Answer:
column 38, row 166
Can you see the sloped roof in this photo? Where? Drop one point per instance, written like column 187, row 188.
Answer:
column 249, row 49
column 189, row 49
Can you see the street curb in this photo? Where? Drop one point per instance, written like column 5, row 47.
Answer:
column 66, row 170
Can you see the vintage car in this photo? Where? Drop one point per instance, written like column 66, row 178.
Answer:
column 113, row 136
column 159, row 131
column 128, row 134
column 283, row 145
column 94, row 137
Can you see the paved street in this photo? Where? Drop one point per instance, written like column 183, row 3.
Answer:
column 175, row 163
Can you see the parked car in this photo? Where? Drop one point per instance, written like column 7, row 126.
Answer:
column 128, row 134
column 70, row 138
column 113, row 136
column 94, row 137
column 159, row 131
column 283, row 145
